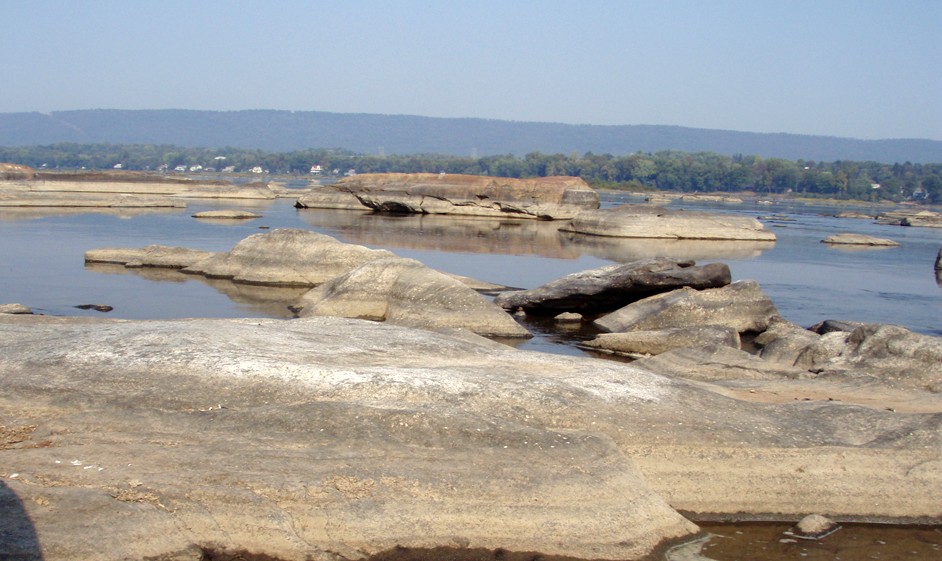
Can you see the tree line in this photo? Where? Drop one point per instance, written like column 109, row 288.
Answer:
column 702, row 172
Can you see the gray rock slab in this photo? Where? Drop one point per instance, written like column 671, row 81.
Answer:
column 293, row 438
column 286, row 257
column 645, row 221
column 741, row 306
column 611, row 287
column 859, row 240
column 406, row 292
column 150, row 256
column 641, row 343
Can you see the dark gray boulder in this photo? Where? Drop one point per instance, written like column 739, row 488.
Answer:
column 609, row 288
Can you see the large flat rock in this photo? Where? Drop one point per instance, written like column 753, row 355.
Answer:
column 551, row 198
column 302, row 437
column 646, row 221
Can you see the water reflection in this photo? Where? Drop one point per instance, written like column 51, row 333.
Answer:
column 513, row 237
column 14, row 214
column 269, row 301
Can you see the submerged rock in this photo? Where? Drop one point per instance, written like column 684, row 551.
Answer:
column 813, row 527
column 611, row 287
column 150, row 256
column 231, row 214
column 858, row 239
column 644, row 221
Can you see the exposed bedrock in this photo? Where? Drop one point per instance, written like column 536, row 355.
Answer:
column 548, row 198
column 645, row 221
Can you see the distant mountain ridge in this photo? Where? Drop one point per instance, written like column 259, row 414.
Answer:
column 282, row 131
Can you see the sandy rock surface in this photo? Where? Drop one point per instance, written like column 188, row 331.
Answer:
column 294, row 438
column 645, row 221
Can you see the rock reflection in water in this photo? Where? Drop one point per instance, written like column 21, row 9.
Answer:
column 514, row 237
column 270, row 301
column 13, row 214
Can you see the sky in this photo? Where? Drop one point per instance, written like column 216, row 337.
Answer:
column 868, row 69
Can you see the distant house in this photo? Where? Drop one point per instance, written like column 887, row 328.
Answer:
column 118, row 166
column 179, row 168
column 257, row 169
column 316, row 170
column 350, row 172
column 228, row 169
column 196, row 168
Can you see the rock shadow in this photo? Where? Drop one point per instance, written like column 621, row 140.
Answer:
column 18, row 539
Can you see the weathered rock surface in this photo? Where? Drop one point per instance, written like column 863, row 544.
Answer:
column 230, row 214
column 328, row 438
column 893, row 355
column 286, row 257
column 548, row 198
column 717, row 363
column 640, row 343
column 406, row 292
column 611, row 287
column 741, row 306
column 149, row 256
column 125, row 183
column 813, row 527
column 18, row 199
column 644, row 221
column 15, row 309
column 16, row 172
column 924, row 218
column 859, row 239
column 329, row 197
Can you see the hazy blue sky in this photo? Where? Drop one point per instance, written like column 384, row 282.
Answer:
column 857, row 68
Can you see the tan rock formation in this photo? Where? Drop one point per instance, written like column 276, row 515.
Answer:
column 553, row 198
column 644, row 221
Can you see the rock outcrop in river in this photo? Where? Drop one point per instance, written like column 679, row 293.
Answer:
column 548, row 198
column 646, row 221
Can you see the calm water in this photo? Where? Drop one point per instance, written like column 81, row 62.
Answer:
column 42, row 265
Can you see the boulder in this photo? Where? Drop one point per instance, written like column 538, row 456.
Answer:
column 786, row 343
column 643, row 343
column 230, row 214
column 16, row 172
column 741, row 306
column 644, row 221
column 286, row 257
column 890, row 354
column 611, row 287
column 338, row 438
column 14, row 309
column 150, row 256
column 813, row 527
column 858, row 240
column 406, row 292
column 924, row 218
column 328, row 197
column 547, row 198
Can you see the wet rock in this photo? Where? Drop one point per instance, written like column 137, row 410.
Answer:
column 644, row 221
column 741, row 306
column 938, row 261
column 95, row 307
column 286, row 257
column 406, row 292
column 640, row 343
column 14, row 309
column 859, row 240
column 611, row 287
column 548, row 198
column 813, row 527
column 162, row 256
column 831, row 325
column 231, row 214
column 568, row 317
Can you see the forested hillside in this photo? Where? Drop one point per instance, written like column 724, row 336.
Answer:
column 663, row 170
column 283, row 131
